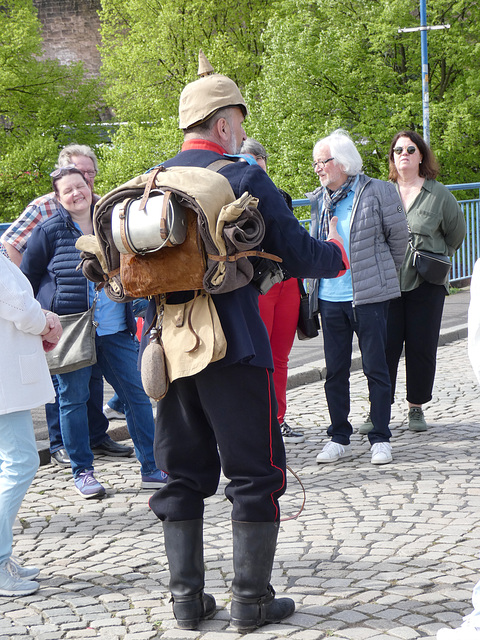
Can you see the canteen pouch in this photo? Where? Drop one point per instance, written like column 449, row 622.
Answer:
column 153, row 368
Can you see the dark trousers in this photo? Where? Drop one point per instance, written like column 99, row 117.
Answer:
column 414, row 322
column 223, row 417
column 369, row 322
column 97, row 422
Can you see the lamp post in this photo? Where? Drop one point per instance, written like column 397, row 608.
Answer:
column 423, row 28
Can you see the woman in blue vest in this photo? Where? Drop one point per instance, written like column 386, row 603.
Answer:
column 50, row 262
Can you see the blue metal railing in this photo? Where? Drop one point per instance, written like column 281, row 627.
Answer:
column 464, row 259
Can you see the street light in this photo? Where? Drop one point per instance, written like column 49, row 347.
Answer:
column 423, row 28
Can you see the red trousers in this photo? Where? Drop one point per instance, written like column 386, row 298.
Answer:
column 279, row 310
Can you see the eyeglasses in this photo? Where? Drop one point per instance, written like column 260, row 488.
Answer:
column 58, row 172
column 410, row 150
column 321, row 163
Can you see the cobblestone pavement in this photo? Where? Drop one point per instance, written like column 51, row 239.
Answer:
column 378, row 552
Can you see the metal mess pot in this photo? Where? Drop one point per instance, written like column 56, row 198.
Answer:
column 162, row 223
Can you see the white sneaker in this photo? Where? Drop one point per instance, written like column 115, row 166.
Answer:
column 467, row 631
column 381, row 453
column 333, row 451
column 111, row 414
column 12, row 585
column 22, row 572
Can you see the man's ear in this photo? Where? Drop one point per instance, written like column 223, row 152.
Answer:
column 222, row 128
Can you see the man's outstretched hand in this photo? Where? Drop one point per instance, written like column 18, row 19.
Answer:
column 332, row 231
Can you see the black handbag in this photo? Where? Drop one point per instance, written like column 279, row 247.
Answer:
column 433, row 267
column 307, row 326
column 76, row 348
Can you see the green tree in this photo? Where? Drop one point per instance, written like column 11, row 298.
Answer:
column 328, row 64
column 43, row 106
column 306, row 67
column 150, row 51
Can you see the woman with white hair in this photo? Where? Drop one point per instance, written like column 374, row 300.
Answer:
column 373, row 227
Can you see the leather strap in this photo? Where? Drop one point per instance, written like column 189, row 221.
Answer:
column 219, row 164
column 190, row 326
column 163, row 216
column 148, row 187
column 244, row 254
column 164, row 230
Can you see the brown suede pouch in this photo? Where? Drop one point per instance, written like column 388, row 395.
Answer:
column 179, row 268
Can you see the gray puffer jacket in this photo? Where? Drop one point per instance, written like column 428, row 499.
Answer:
column 378, row 241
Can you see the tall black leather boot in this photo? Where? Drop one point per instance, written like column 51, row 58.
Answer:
column 254, row 603
column 184, row 549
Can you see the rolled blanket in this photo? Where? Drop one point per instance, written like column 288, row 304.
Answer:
column 239, row 230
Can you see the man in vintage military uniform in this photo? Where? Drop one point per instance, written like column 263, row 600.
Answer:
column 225, row 416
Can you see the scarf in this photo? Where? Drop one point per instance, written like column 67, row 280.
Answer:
column 330, row 200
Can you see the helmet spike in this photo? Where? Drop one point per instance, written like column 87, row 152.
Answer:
column 204, row 66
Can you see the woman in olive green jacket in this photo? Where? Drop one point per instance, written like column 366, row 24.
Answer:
column 437, row 224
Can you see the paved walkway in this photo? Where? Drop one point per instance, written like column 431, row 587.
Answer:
column 306, row 364
column 379, row 552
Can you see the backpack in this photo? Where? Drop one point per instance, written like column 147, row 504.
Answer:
column 199, row 238
column 221, row 233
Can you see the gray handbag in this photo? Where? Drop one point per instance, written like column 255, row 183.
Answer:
column 76, row 348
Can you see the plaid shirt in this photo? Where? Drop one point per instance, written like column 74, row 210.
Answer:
column 37, row 211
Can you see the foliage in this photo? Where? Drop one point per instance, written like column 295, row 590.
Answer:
column 328, row 64
column 150, row 51
column 43, row 106
column 134, row 149
column 305, row 67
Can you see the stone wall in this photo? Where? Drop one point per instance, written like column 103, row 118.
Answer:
column 71, row 31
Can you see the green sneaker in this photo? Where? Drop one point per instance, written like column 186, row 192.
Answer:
column 416, row 419
column 367, row 426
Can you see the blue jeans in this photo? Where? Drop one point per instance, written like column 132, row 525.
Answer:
column 117, row 359
column 369, row 322
column 18, row 464
column 115, row 404
column 97, row 422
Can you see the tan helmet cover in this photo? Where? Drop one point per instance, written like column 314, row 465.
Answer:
column 201, row 99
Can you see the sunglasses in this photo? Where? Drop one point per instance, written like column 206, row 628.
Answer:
column 410, row 150
column 61, row 170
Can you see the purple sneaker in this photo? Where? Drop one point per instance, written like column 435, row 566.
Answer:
column 154, row 481
column 87, row 486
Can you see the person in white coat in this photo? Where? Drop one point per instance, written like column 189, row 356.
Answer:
column 474, row 321
column 26, row 331
column 470, row 628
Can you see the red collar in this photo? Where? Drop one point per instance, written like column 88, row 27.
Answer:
column 206, row 145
